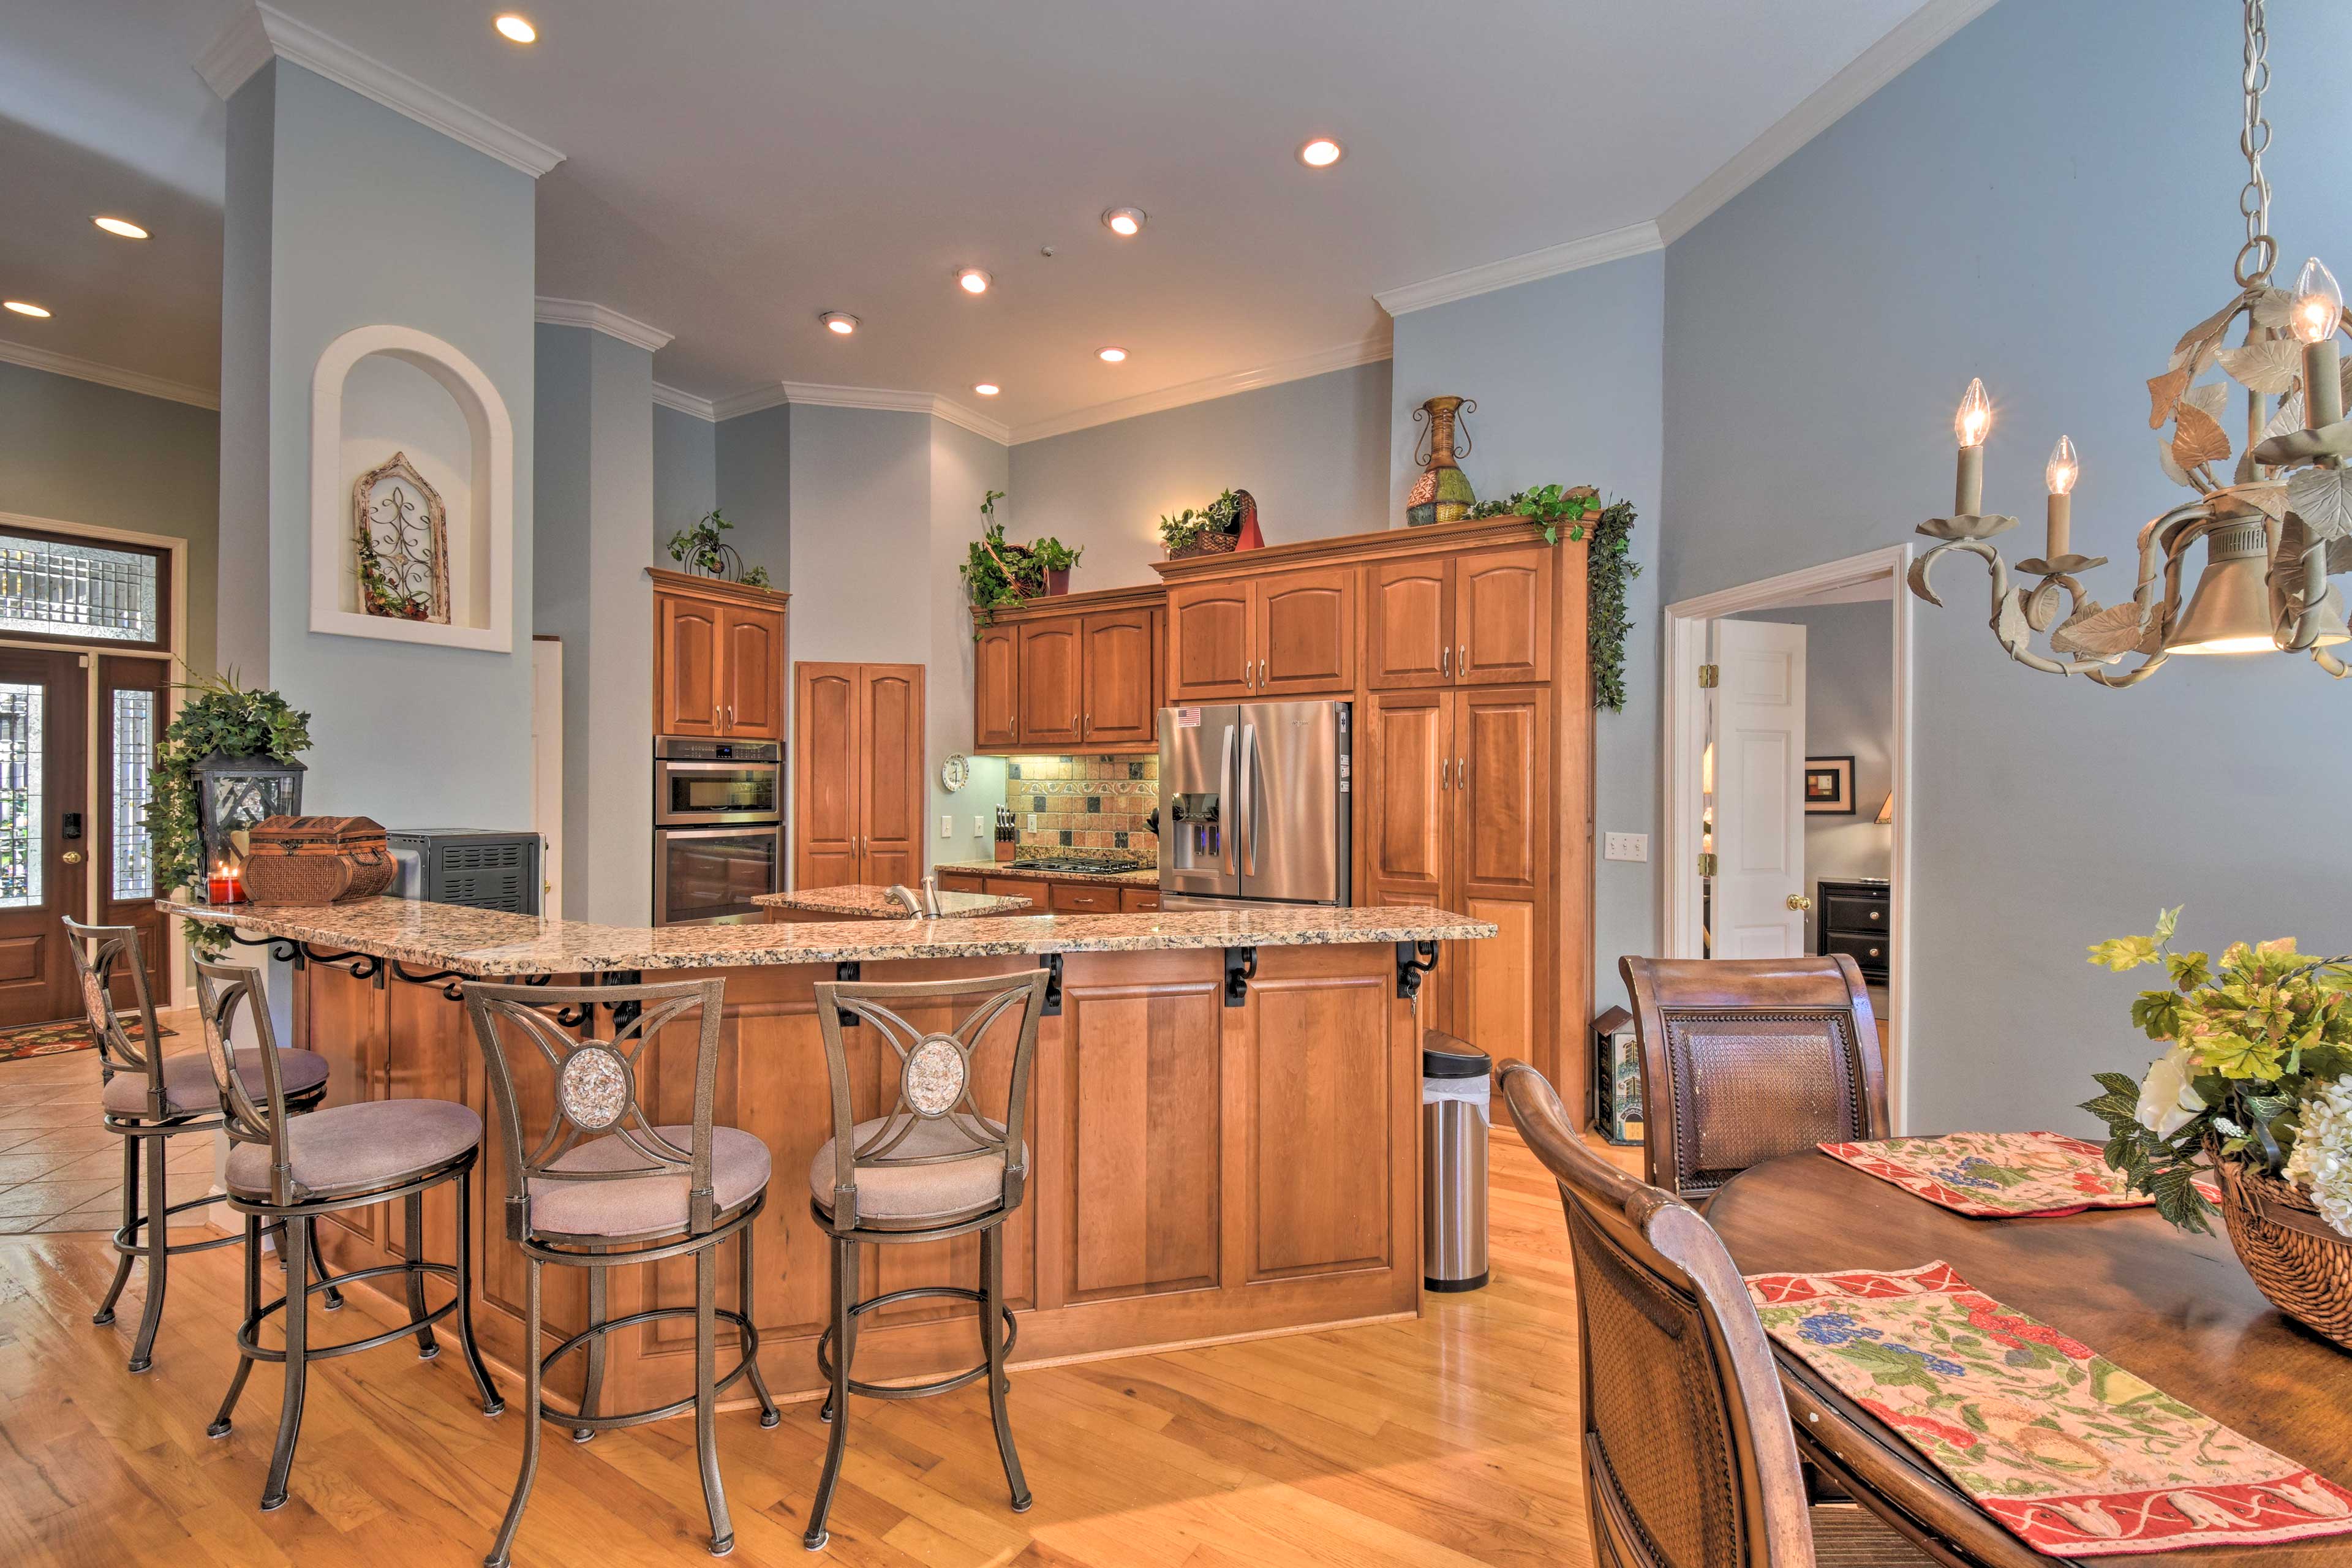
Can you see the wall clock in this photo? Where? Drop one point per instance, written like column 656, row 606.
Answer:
column 955, row 773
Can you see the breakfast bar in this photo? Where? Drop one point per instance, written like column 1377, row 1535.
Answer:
column 1222, row 1117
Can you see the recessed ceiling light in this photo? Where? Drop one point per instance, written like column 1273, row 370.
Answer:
column 841, row 322
column 973, row 279
column 1321, row 152
column 988, row 389
column 121, row 225
column 516, row 28
column 1127, row 222
column 23, row 309
column 1111, row 356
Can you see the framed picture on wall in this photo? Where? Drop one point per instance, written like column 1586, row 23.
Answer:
column 1829, row 787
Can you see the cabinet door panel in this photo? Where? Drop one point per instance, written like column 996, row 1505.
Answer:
column 687, row 698
column 1502, row 616
column 1501, row 844
column 1409, row 618
column 1304, row 629
column 996, row 687
column 1051, row 658
column 1320, row 1143
column 891, row 784
column 1209, row 655
column 753, row 671
column 1120, row 703
column 825, row 746
column 1411, row 743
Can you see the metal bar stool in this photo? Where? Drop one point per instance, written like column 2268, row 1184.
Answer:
column 149, row 1098
column 292, row 1170
column 631, row 1193
column 933, row 1168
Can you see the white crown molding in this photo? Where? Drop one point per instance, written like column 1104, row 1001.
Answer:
column 810, row 394
column 258, row 32
column 684, row 402
column 109, row 376
column 1910, row 41
column 1633, row 239
column 602, row 319
column 1345, row 357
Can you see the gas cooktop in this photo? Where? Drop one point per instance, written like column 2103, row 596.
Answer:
column 1069, row 863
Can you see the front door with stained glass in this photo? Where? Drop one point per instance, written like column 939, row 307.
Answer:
column 44, row 846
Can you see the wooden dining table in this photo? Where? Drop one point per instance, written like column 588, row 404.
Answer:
column 2177, row 1310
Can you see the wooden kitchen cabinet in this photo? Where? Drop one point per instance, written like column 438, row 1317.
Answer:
column 859, row 787
column 1075, row 673
column 996, row 689
column 718, row 657
column 1409, row 622
column 1503, row 617
column 1236, row 639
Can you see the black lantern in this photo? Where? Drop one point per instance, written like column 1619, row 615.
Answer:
column 233, row 793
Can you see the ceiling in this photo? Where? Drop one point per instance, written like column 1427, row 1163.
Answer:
column 734, row 167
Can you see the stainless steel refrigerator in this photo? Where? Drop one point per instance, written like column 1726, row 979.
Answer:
column 1254, row 801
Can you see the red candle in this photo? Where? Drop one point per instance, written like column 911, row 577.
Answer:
column 226, row 887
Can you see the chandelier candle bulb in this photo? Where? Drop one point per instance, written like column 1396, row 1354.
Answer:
column 2319, row 311
column 2061, row 474
column 1971, row 424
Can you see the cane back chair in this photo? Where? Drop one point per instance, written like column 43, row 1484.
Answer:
column 1744, row 1060
column 603, row 1186
column 149, row 1099
column 1688, row 1457
column 292, row 1169
column 933, row 1167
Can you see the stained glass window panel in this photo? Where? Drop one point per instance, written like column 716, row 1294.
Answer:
column 134, row 754
column 80, row 591
column 20, row 796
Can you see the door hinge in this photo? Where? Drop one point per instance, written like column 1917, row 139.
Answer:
column 1707, row 865
column 1706, row 676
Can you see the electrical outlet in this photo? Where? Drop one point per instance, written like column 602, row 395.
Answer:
column 1625, row 847
column 946, row 826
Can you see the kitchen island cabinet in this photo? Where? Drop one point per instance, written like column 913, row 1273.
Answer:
column 1223, row 1123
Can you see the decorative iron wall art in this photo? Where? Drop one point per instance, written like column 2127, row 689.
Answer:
column 402, row 533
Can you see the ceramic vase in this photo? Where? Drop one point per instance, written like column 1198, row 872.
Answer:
column 1442, row 493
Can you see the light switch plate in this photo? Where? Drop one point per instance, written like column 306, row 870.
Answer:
column 1625, row 847
column 946, row 826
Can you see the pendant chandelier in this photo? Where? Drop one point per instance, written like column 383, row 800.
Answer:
column 2273, row 529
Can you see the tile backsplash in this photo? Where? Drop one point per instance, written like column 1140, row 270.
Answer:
column 1084, row 803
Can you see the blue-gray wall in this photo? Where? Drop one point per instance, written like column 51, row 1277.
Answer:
column 752, row 484
column 685, row 476
column 76, row 451
column 1567, row 374
column 410, row 734
column 2046, row 201
column 1310, row 451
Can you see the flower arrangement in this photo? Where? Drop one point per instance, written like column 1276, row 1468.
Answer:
column 2259, row 1073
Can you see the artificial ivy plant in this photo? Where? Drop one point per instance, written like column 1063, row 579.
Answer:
column 1001, row 575
column 702, row 547
column 1609, row 566
column 1187, row 528
column 215, row 715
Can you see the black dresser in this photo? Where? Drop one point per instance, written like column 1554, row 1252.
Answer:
column 1853, row 919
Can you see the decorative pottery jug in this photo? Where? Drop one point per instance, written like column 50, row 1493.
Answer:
column 1442, row 493
column 1250, row 537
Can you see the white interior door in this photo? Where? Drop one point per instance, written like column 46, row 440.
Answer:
column 547, row 769
column 1760, row 803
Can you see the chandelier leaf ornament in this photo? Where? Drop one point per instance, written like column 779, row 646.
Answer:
column 2273, row 508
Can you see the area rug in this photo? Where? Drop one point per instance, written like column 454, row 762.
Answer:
column 54, row 1039
column 2064, row 1449
column 1998, row 1175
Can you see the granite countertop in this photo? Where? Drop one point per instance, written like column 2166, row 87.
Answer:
column 865, row 900
column 1149, row 877
column 486, row 944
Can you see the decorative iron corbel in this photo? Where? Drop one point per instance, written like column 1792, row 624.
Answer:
column 1241, row 968
column 1412, row 969
column 1051, row 962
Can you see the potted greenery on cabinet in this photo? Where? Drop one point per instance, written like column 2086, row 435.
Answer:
column 1001, row 575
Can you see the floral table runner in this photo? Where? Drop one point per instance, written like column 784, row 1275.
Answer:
column 1998, row 1175
column 2062, row 1447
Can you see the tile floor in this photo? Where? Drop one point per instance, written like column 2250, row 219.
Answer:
column 60, row 1169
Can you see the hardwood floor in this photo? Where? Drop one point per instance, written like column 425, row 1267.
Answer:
column 1449, row 1440
column 59, row 1168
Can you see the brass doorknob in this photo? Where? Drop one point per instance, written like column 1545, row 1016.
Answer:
column 73, row 856
column 1799, row 901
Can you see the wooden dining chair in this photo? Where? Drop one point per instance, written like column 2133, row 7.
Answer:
column 1689, row 1460
column 1744, row 1060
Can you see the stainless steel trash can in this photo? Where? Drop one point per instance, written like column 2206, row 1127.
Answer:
column 1455, row 1083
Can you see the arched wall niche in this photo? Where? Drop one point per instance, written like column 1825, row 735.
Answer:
column 385, row 389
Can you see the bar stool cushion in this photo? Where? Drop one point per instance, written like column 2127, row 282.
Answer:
column 358, row 1148
column 899, row 1193
column 644, row 1206
column 189, row 1091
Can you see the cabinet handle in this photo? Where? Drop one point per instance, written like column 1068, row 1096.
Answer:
column 1461, row 773
column 1442, row 763
column 731, row 717
column 1462, row 658
column 1446, row 661
column 714, row 715
column 1248, row 676
column 1261, row 674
